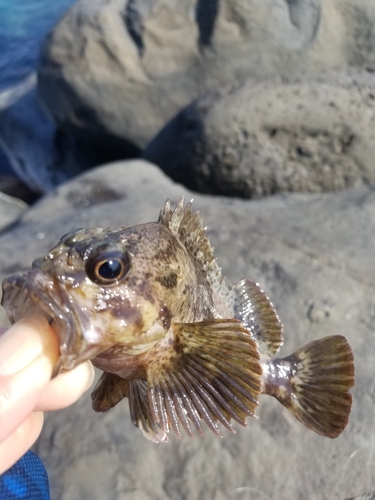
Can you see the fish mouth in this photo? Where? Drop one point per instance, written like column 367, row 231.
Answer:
column 37, row 292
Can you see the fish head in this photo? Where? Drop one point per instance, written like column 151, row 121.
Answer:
column 102, row 289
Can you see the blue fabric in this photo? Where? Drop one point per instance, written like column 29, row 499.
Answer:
column 27, row 479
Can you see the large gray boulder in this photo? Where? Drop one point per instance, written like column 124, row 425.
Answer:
column 314, row 256
column 298, row 134
column 120, row 69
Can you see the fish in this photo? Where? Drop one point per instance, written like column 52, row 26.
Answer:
column 149, row 306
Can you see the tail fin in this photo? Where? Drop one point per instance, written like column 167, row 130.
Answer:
column 314, row 383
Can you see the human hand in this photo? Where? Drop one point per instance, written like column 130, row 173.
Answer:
column 28, row 352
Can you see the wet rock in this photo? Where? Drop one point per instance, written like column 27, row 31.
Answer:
column 303, row 134
column 311, row 252
column 118, row 70
column 39, row 154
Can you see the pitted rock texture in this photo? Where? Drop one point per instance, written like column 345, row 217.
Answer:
column 276, row 135
column 118, row 70
column 313, row 254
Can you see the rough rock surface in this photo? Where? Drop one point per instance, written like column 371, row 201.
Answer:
column 314, row 256
column 120, row 69
column 11, row 209
column 302, row 134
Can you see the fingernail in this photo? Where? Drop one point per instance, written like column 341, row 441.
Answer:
column 91, row 375
column 23, row 342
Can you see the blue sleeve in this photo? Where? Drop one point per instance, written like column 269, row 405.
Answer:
column 27, row 479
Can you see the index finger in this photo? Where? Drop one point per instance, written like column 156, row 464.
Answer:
column 28, row 352
column 23, row 342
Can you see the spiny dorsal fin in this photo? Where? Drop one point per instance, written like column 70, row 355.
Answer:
column 187, row 226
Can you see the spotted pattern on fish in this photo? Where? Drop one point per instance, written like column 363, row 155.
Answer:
column 149, row 306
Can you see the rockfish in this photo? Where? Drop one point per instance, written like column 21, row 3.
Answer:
column 149, row 306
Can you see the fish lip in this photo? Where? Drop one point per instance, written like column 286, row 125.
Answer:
column 37, row 292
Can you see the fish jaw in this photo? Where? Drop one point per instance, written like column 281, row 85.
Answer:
column 37, row 292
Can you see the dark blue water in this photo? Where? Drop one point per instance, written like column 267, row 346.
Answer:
column 23, row 26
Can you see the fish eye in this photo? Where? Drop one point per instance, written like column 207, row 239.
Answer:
column 108, row 267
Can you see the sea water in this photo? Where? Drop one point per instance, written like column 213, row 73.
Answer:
column 23, row 27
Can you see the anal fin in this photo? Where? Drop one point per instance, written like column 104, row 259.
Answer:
column 314, row 383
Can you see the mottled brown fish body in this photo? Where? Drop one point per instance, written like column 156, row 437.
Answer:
column 149, row 306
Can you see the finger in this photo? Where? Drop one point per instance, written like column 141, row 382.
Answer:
column 21, row 439
column 66, row 388
column 28, row 352
column 20, row 393
column 23, row 342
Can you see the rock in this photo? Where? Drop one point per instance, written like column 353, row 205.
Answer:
column 298, row 134
column 13, row 186
column 39, row 154
column 313, row 253
column 367, row 496
column 118, row 70
column 11, row 209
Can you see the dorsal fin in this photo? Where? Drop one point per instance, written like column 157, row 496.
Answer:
column 187, row 226
column 255, row 310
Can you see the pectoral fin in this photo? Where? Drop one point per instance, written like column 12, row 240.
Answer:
column 141, row 414
column 206, row 371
